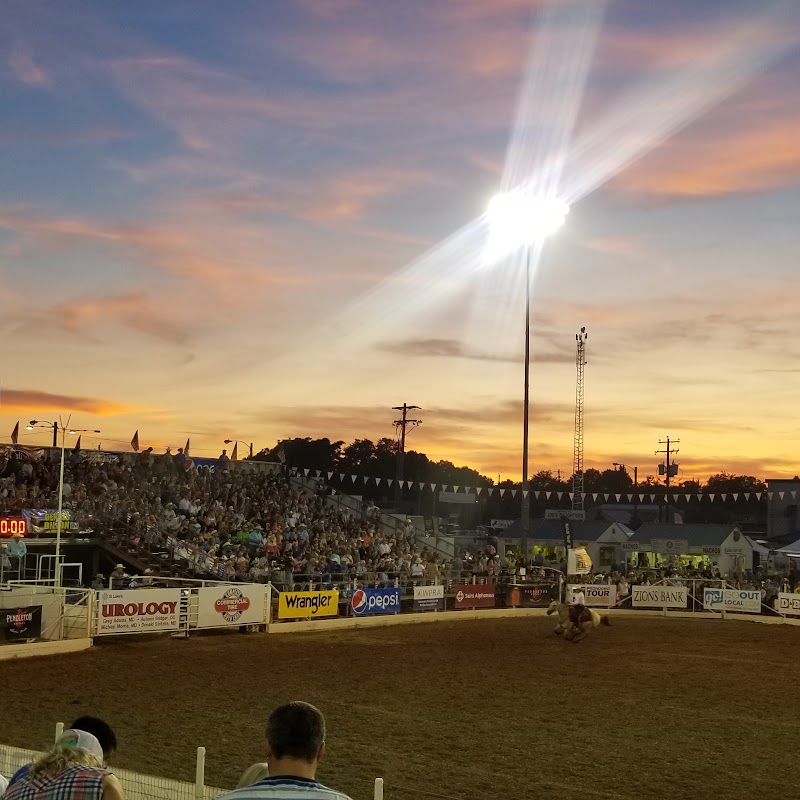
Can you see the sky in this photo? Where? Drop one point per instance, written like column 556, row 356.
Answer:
column 262, row 220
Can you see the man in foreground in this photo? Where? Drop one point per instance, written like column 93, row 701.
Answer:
column 295, row 746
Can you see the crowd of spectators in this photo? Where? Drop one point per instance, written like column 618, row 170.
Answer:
column 231, row 523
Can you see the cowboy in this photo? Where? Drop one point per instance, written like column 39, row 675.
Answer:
column 577, row 607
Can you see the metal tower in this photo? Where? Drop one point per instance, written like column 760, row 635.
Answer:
column 577, row 461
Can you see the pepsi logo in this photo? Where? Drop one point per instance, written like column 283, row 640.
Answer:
column 358, row 602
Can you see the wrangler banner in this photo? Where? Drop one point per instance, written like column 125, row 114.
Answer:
column 138, row 610
column 292, row 605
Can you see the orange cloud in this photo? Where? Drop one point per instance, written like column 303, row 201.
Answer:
column 36, row 402
column 25, row 68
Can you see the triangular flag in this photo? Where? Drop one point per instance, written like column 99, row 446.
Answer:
column 548, row 494
column 699, row 497
column 629, row 497
column 735, row 496
column 524, row 492
column 433, row 487
column 712, row 496
column 77, row 447
column 306, row 471
column 793, row 494
column 341, row 476
column 618, row 496
column 186, row 449
column 781, row 494
column 594, row 496
column 377, row 481
column 652, row 498
column 456, row 488
column 317, row 473
column 747, row 495
column 571, row 496
column 15, row 434
column 420, row 485
column 235, row 451
column 353, row 478
column 503, row 492
column 330, row 475
column 758, row 495
column 135, row 442
column 724, row 497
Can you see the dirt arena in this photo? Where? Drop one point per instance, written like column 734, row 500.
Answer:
column 648, row 708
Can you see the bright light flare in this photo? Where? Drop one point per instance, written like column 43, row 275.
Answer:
column 520, row 218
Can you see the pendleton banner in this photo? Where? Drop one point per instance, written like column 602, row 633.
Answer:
column 18, row 624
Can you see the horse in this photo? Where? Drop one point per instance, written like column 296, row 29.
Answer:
column 589, row 619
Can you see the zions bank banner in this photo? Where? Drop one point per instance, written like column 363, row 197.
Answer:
column 138, row 610
column 292, row 605
column 658, row 596
column 366, row 602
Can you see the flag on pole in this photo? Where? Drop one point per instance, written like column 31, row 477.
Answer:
column 578, row 562
column 235, row 451
column 135, row 441
column 15, row 434
column 186, row 449
column 281, row 454
column 77, row 447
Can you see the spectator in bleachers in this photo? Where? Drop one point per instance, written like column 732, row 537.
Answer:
column 71, row 770
column 295, row 746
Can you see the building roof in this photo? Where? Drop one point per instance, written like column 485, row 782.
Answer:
column 553, row 529
column 696, row 534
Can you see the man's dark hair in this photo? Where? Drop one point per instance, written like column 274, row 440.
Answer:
column 102, row 731
column 296, row 730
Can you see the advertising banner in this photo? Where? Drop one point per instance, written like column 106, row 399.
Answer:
column 292, row 605
column 138, row 610
column 230, row 605
column 428, row 598
column 18, row 624
column 578, row 562
column 788, row 603
column 597, row 594
column 531, row 595
column 658, row 596
column 732, row 600
column 475, row 596
column 670, row 546
column 366, row 602
column 45, row 520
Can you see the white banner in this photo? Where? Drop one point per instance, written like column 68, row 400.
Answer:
column 658, row 596
column 732, row 600
column 578, row 562
column 428, row 592
column 788, row 604
column 670, row 546
column 138, row 610
column 597, row 594
column 230, row 605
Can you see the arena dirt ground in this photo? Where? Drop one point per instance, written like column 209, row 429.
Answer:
column 648, row 708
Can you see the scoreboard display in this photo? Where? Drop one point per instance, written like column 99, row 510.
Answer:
column 10, row 526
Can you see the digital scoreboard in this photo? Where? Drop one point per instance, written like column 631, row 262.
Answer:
column 10, row 526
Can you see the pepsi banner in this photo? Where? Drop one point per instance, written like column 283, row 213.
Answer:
column 366, row 602
column 428, row 598
column 18, row 624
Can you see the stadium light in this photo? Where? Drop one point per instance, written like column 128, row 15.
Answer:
column 518, row 219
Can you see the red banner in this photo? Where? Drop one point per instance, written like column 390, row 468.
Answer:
column 475, row 596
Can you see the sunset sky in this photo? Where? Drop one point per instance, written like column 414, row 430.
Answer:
column 260, row 220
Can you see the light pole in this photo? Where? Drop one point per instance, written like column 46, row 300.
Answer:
column 243, row 444
column 56, row 426
column 520, row 219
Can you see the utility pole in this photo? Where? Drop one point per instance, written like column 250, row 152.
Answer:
column 402, row 424
column 577, row 462
column 671, row 470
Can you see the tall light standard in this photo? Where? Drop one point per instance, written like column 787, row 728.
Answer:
column 243, row 444
column 56, row 426
column 517, row 219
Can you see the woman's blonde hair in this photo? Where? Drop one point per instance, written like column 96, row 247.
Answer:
column 253, row 774
column 60, row 759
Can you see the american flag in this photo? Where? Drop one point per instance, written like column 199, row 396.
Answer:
column 135, row 441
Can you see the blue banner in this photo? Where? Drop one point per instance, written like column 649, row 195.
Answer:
column 365, row 602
